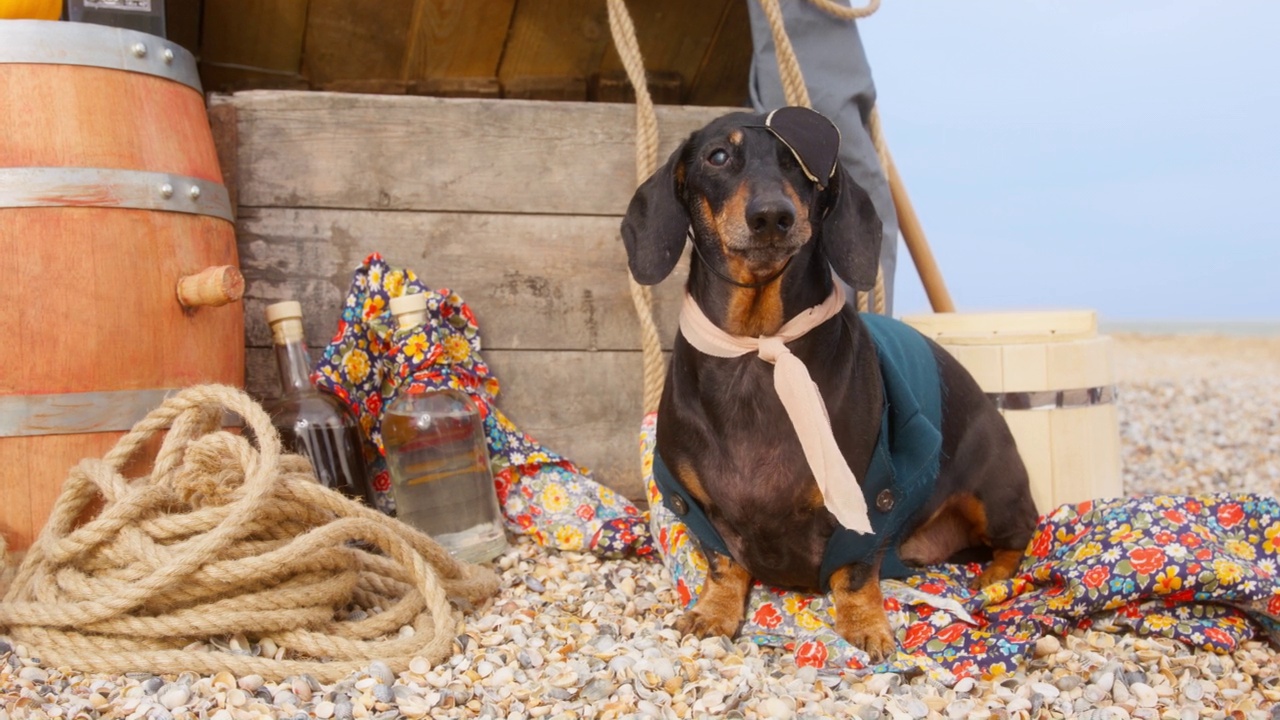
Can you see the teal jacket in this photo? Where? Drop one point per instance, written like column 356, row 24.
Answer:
column 903, row 470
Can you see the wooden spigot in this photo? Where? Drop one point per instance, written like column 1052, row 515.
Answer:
column 211, row 287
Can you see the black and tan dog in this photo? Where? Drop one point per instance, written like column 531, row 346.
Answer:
column 772, row 214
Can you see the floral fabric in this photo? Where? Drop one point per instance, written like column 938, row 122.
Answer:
column 369, row 362
column 1202, row 570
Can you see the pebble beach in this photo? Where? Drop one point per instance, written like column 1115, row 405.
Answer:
column 573, row 636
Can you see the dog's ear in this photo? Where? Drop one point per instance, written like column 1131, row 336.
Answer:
column 656, row 223
column 851, row 231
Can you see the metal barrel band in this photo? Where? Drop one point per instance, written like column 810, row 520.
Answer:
column 1055, row 399
column 103, row 187
column 43, row 42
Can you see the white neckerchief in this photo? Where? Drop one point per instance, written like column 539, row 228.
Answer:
column 799, row 395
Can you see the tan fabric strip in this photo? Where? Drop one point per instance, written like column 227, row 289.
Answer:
column 799, row 395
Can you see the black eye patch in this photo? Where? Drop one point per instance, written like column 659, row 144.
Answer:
column 811, row 137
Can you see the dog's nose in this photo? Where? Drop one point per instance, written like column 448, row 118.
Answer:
column 770, row 214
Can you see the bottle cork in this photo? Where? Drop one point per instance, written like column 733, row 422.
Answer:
column 285, row 319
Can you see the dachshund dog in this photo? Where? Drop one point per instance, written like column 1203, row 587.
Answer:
column 929, row 466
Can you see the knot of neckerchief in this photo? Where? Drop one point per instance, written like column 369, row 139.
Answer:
column 799, row 395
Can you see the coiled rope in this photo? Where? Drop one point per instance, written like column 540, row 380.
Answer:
column 223, row 538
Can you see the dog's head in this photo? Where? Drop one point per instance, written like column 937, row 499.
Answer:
column 756, row 190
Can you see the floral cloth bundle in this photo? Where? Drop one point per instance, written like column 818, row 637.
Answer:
column 1202, row 570
column 369, row 361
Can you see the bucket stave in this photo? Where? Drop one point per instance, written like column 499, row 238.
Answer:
column 1053, row 378
column 110, row 194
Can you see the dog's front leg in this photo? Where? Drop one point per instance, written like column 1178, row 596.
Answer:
column 860, row 618
column 720, row 607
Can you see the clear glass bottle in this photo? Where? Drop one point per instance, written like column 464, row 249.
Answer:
column 312, row 423
column 439, row 463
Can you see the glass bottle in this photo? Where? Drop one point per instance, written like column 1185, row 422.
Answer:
column 439, row 462
column 316, row 425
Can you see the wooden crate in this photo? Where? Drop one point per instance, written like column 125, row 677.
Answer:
column 515, row 205
column 698, row 53
column 1053, row 374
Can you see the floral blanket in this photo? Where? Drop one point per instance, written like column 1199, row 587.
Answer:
column 1202, row 570
column 369, row 361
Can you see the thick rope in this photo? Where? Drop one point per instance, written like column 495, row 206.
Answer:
column 224, row 538
column 624, row 38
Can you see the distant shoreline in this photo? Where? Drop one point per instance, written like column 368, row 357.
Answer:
column 1233, row 328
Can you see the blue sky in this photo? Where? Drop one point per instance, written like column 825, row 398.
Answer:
column 1118, row 156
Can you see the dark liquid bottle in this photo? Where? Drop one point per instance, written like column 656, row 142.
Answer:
column 311, row 423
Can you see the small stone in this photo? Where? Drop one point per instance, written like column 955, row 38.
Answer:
column 175, row 696
column 1145, row 694
column 915, row 708
column 960, row 708
column 1047, row 645
column 382, row 672
column 1067, row 683
column 1105, row 681
column 1048, row 691
column 598, row 689
column 251, row 683
column 775, row 708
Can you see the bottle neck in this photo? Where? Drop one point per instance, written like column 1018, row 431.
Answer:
column 292, row 356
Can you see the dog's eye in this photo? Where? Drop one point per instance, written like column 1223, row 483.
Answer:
column 718, row 158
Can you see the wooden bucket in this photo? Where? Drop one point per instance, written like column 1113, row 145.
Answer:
column 1053, row 378
column 110, row 195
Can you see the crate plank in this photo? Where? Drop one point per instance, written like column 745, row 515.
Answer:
column 541, row 282
column 584, row 405
column 390, row 152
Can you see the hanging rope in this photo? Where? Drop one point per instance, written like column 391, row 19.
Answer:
column 797, row 93
column 624, row 38
column 224, row 538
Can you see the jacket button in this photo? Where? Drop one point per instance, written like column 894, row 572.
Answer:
column 679, row 505
column 884, row 501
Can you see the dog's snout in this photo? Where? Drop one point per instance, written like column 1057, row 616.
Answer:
column 770, row 214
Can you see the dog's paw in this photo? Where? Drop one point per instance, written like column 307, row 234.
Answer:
column 873, row 635
column 1001, row 568
column 703, row 624
column 991, row 576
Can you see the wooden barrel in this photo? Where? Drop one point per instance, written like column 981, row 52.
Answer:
column 110, row 195
column 1052, row 376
